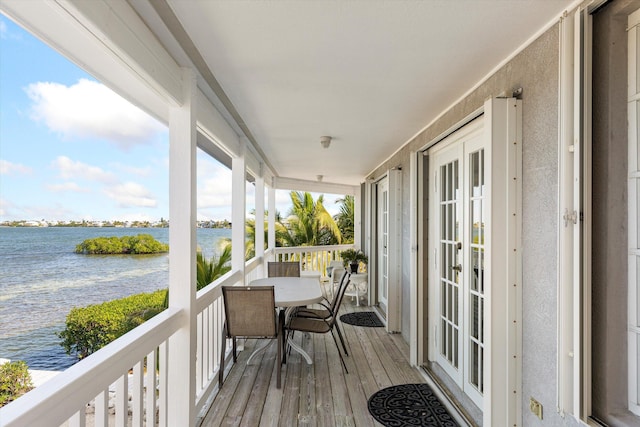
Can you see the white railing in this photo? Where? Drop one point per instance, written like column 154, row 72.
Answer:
column 116, row 378
column 106, row 378
column 312, row 258
column 209, row 322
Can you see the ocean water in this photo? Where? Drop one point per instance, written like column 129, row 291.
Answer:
column 42, row 278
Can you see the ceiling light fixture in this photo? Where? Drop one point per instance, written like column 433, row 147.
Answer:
column 325, row 141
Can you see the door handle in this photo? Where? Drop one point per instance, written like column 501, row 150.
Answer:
column 457, row 268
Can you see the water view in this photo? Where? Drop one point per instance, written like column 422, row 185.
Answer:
column 42, row 278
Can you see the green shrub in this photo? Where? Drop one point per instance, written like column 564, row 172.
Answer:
column 15, row 381
column 88, row 329
column 140, row 244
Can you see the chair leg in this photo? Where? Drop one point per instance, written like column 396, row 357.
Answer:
column 341, row 338
column 222, row 351
column 344, row 365
column 280, row 347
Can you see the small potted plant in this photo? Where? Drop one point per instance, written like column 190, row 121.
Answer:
column 353, row 258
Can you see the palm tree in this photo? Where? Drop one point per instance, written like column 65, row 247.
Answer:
column 345, row 218
column 217, row 266
column 250, row 233
column 309, row 223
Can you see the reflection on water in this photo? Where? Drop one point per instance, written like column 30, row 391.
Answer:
column 41, row 279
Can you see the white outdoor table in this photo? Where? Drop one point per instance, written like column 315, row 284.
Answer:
column 293, row 292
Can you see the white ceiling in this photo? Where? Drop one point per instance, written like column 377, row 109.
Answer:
column 371, row 74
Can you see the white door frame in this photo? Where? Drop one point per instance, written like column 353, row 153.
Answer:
column 393, row 310
column 503, row 265
column 455, row 150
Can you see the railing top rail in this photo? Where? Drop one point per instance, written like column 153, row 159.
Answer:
column 289, row 249
column 48, row 404
column 210, row 293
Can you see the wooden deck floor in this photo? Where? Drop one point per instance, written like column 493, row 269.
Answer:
column 320, row 394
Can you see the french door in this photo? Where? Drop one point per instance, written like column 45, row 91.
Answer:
column 457, row 291
column 383, row 243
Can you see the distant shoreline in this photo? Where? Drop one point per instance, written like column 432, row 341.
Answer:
column 107, row 224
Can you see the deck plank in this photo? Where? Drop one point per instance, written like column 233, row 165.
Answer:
column 324, row 401
column 254, row 409
column 307, row 403
column 318, row 395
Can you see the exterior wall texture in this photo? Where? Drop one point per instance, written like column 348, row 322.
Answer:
column 536, row 71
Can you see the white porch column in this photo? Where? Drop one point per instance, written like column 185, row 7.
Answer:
column 357, row 219
column 238, row 208
column 272, row 218
column 259, row 243
column 182, row 255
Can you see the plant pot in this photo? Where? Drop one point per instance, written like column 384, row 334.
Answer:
column 354, row 267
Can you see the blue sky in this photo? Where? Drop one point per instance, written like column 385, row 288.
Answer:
column 71, row 149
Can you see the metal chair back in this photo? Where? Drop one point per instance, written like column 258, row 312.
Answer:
column 283, row 269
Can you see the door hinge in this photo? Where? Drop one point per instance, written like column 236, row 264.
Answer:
column 570, row 216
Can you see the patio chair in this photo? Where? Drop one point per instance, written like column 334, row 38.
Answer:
column 329, row 308
column 319, row 324
column 283, row 269
column 250, row 312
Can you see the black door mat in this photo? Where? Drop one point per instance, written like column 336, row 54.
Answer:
column 409, row 405
column 362, row 318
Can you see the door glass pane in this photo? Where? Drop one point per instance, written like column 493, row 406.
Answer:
column 638, row 379
column 637, row 55
column 638, row 294
column 456, row 196
column 474, row 269
column 476, row 199
column 474, row 375
column 636, row 143
column 450, row 294
column 636, row 183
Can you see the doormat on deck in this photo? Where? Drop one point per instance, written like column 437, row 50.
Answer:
column 409, row 405
column 362, row 318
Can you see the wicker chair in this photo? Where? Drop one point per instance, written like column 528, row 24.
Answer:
column 250, row 313
column 283, row 269
column 323, row 320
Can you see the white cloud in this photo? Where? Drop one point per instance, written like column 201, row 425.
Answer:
column 3, row 29
column 70, row 169
column 5, row 206
column 145, row 171
column 8, row 168
column 214, row 195
column 214, row 190
column 67, row 186
column 131, row 194
column 90, row 109
column 138, row 216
